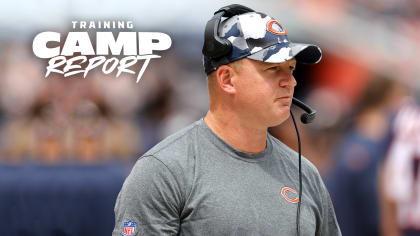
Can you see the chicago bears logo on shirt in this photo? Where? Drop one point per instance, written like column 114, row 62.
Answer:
column 287, row 189
column 129, row 228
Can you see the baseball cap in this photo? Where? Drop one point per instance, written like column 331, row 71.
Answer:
column 260, row 37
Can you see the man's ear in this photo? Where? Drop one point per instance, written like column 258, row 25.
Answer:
column 224, row 75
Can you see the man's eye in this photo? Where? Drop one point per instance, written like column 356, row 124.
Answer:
column 273, row 68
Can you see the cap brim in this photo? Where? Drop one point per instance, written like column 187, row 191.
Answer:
column 304, row 53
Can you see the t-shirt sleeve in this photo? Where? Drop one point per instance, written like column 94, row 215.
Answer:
column 329, row 225
column 150, row 200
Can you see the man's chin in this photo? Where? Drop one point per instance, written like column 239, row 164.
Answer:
column 280, row 119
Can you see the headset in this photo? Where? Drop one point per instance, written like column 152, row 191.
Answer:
column 216, row 49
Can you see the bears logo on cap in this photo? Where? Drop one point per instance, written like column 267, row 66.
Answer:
column 275, row 27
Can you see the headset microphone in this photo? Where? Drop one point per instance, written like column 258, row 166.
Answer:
column 309, row 114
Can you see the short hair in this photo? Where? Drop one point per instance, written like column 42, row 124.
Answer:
column 236, row 65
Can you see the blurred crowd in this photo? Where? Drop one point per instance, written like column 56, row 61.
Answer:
column 93, row 119
column 365, row 140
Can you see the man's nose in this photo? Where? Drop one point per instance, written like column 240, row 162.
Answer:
column 288, row 81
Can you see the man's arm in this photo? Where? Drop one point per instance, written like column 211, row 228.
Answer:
column 151, row 198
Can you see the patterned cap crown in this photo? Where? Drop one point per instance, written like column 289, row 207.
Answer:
column 260, row 37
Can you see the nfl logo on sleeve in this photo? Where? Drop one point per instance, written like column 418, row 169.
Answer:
column 129, row 228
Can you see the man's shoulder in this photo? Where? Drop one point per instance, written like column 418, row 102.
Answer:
column 176, row 147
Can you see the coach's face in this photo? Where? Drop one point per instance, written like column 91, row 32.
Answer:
column 264, row 91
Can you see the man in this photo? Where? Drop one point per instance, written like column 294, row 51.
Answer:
column 225, row 174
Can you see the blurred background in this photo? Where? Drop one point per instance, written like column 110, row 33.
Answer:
column 67, row 144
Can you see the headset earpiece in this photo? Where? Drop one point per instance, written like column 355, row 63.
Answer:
column 214, row 46
column 234, row 9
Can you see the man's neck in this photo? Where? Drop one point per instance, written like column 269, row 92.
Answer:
column 237, row 132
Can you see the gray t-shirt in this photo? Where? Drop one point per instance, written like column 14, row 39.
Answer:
column 194, row 183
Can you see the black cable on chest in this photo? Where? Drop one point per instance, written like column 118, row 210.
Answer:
column 300, row 176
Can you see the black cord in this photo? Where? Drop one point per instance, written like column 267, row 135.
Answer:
column 300, row 176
